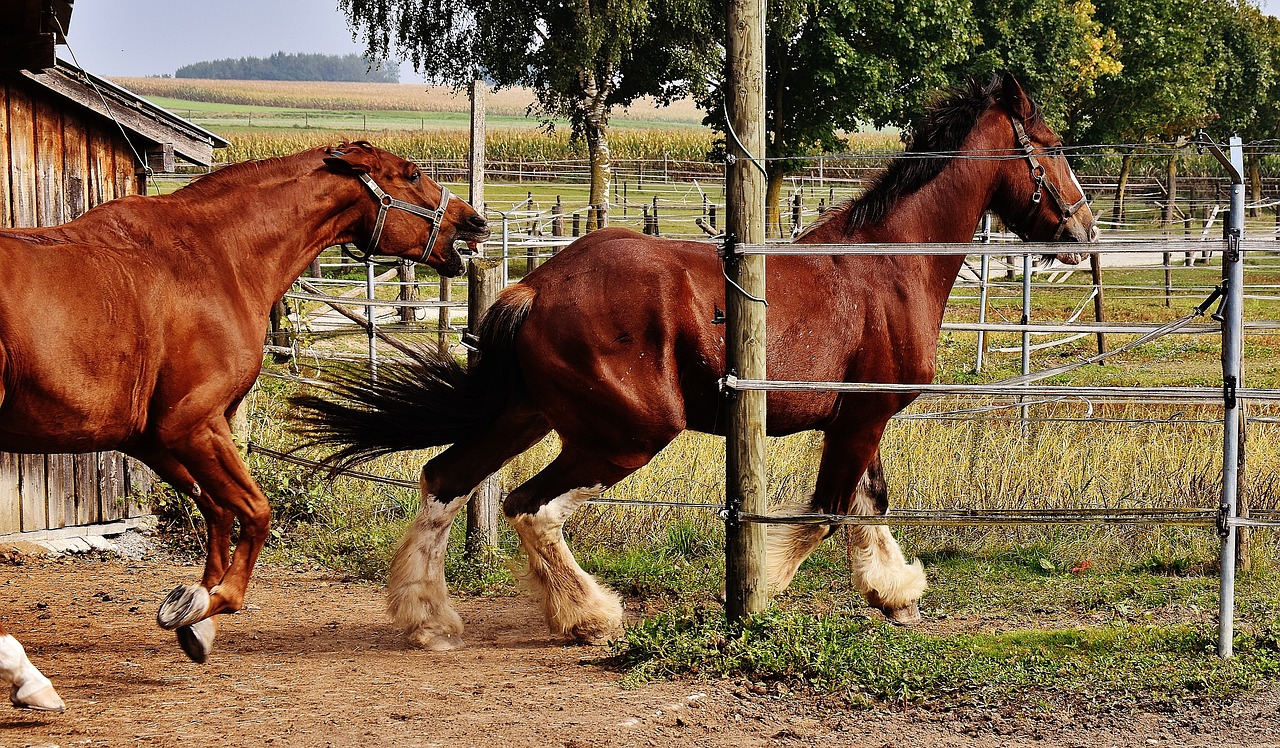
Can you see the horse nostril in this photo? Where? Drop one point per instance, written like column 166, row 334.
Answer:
column 478, row 221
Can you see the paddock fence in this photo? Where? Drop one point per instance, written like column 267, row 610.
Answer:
column 383, row 307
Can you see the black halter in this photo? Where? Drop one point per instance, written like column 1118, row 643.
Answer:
column 387, row 202
column 1041, row 179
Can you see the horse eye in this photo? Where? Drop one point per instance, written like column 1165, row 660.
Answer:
column 414, row 177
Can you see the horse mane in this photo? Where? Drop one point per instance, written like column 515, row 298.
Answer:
column 943, row 130
column 218, row 179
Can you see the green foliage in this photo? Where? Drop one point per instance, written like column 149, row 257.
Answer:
column 1167, row 76
column 1057, row 48
column 283, row 66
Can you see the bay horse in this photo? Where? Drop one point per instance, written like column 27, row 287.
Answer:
column 614, row 344
column 139, row 326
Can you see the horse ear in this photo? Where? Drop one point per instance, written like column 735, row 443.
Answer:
column 1016, row 99
column 350, row 159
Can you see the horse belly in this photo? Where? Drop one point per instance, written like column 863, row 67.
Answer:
column 70, row 384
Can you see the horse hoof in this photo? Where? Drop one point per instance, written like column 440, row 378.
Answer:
column 196, row 640
column 595, row 635
column 443, row 643
column 904, row 616
column 44, row 699
column 183, row 607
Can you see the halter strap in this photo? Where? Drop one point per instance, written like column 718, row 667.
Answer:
column 387, row 202
column 1040, row 178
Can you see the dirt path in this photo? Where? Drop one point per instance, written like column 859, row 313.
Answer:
column 313, row 662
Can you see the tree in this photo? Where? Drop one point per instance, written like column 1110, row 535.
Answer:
column 1244, row 96
column 836, row 65
column 1056, row 48
column 581, row 58
column 1167, row 74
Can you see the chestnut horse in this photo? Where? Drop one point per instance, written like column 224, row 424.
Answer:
column 614, row 345
column 139, row 326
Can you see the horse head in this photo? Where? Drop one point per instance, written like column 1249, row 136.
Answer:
column 394, row 186
column 1038, row 197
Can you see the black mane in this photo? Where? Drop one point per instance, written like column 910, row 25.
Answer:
column 945, row 127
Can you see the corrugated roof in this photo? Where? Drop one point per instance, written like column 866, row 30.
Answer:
column 141, row 119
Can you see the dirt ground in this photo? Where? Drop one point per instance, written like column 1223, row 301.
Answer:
column 313, row 661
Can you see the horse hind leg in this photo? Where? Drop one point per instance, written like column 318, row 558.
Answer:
column 29, row 688
column 417, row 593
column 575, row 605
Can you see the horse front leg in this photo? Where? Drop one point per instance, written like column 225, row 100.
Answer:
column 222, row 479
column 851, row 481
column 28, row 687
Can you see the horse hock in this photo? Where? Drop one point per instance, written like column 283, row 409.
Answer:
column 575, row 605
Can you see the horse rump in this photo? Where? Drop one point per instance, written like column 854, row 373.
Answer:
column 428, row 400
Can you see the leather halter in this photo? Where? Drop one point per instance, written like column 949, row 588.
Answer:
column 387, row 202
column 1041, row 179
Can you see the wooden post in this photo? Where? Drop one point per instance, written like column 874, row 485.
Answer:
column 408, row 277
column 711, row 211
column 577, row 224
column 483, row 286
column 656, row 231
column 796, row 209
column 746, row 588
column 531, row 251
column 557, row 223
column 445, row 317
column 646, row 226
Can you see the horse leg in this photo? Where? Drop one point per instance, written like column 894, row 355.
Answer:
column 575, row 605
column 881, row 573
column 417, row 594
column 212, row 460
column 29, row 689
column 196, row 639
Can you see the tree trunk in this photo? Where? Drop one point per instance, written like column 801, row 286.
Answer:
column 1171, row 206
column 601, row 177
column 595, row 129
column 773, row 204
column 1126, row 163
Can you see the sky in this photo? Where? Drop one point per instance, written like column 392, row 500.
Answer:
column 153, row 37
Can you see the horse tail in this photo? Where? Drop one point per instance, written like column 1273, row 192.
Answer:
column 428, row 401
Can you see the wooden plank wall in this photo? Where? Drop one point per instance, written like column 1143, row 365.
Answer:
column 54, row 165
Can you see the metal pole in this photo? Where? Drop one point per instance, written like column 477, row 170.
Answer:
column 746, row 470
column 369, row 313
column 1232, row 337
column 1026, row 320
column 983, row 291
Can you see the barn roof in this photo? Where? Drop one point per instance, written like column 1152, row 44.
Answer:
column 147, row 125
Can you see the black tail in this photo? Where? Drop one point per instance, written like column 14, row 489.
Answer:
column 426, row 402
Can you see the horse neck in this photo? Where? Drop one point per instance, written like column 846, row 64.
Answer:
column 271, row 229
column 946, row 209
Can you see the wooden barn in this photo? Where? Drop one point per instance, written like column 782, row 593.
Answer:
column 70, row 140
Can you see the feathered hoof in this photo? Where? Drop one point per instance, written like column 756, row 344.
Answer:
column 598, row 624
column 184, row 606
column 437, row 642
column 904, row 616
column 196, row 640
column 42, row 698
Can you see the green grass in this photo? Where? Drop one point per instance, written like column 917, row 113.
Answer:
column 996, row 632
